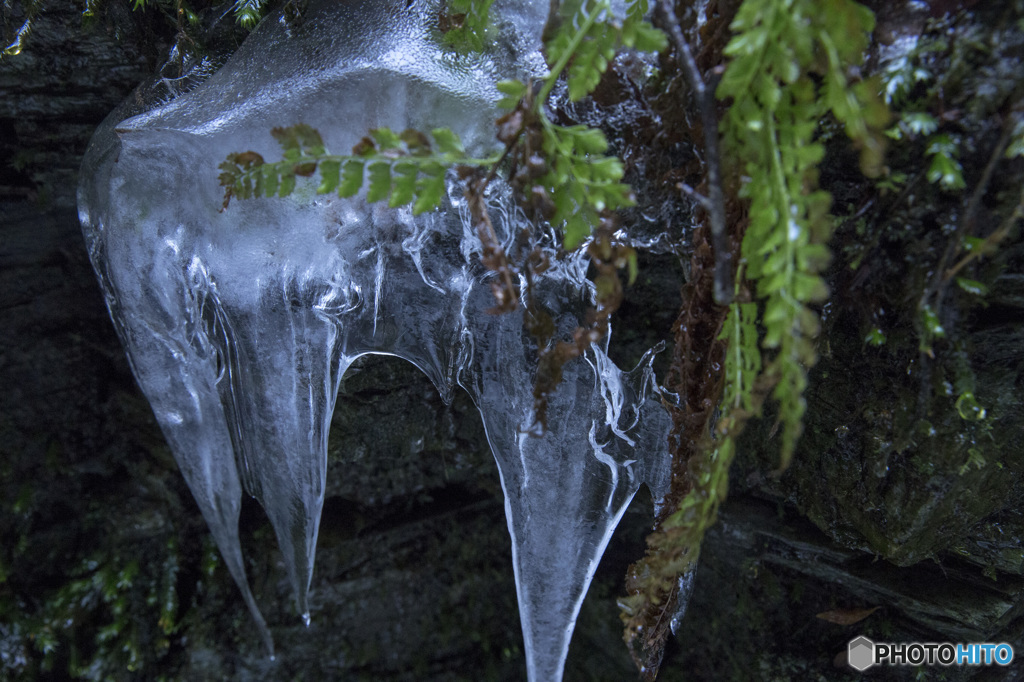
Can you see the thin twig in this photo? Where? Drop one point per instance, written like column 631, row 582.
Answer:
column 493, row 256
column 716, row 199
column 695, row 195
column 990, row 242
column 501, row 159
column 932, row 296
column 941, row 277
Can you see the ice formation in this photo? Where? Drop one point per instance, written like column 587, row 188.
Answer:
column 240, row 324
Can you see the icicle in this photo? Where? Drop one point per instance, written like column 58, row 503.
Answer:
column 566, row 491
column 176, row 356
column 240, row 323
column 682, row 598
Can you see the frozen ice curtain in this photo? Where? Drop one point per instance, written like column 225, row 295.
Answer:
column 239, row 324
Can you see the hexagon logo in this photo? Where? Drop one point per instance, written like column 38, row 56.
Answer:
column 861, row 653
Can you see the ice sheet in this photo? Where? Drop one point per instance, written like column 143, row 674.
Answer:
column 240, row 323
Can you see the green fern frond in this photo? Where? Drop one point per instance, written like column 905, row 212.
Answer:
column 402, row 168
column 743, row 357
column 248, row 12
column 787, row 71
column 581, row 181
column 585, row 44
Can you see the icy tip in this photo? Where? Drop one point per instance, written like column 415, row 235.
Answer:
column 306, row 619
column 268, row 640
column 269, row 644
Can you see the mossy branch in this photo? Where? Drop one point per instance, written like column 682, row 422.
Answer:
column 786, row 73
column 714, row 203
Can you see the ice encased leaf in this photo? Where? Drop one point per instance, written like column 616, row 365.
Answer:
column 240, row 323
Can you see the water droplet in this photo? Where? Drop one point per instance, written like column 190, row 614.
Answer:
column 794, row 230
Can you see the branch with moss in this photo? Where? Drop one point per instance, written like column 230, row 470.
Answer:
column 714, row 203
column 788, row 61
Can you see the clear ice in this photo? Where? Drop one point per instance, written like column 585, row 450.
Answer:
column 239, row 324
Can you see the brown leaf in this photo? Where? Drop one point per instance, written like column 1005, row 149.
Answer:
column 509, row 126
column 449, row 22
column 304, row 170
column 364, row 147
column 416, row 141
column 846, row 616
column 246, row 159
